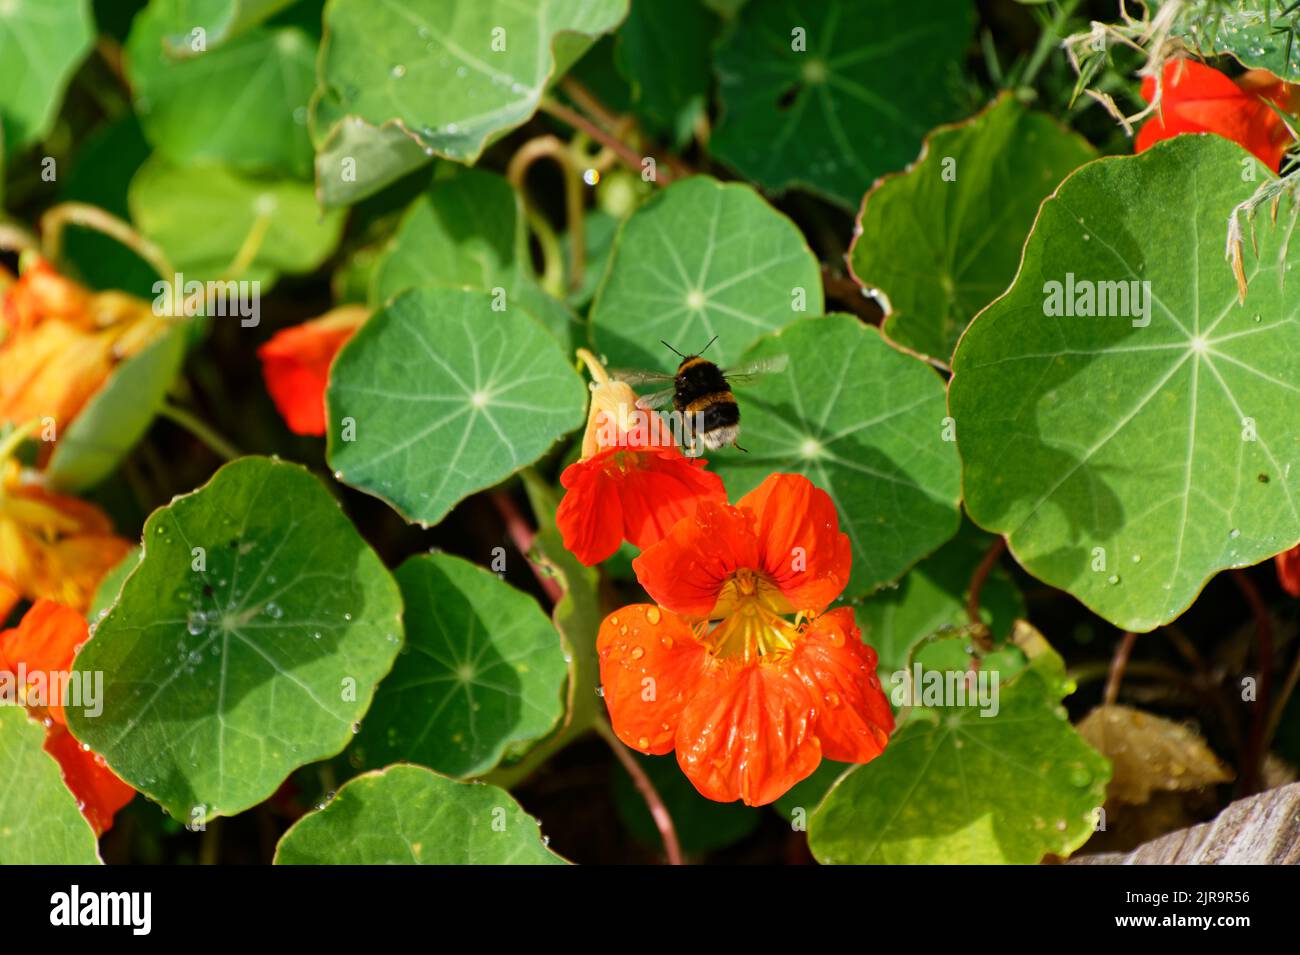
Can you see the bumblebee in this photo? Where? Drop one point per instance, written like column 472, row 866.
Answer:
column 702, row 397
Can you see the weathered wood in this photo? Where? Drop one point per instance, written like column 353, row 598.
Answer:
column 1258, row 830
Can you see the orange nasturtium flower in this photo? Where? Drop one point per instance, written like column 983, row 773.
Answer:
column 1288, row 570
column 632, row 480
column 59, row 342
column 44, row 644
column 1200, row 99
column 51, row 545
column 296, row 365
column 716, row 670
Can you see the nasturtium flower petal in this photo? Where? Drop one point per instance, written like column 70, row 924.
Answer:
column 1199, row 99
column 296, row 365
column 854, row 719
column 801, row 546
column 650, row 663
column 748, row 732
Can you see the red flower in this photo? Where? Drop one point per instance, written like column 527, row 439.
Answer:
column 752, row 702
column 632, row 481
column 296, row 364
column 1198, row 99
column 44, row 644
column 1288, row 570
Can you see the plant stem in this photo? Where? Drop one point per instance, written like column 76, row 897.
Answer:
column 1118, row 664
column 87, row 216
column 523, row 536
column 981, row 574
column 195, row 426
column 210, row 843
column 658, row 811
column 552, row 278
column 16, row 239
column 1048, row 41
column 14, row 439
column 586, row 100
column 574, row 210
column 626, row 153
column 618, row 125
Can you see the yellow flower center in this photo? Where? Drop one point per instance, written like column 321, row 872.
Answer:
column 753, row 624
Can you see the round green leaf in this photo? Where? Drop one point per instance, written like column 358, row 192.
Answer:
column 243, row 103
column 168, row 203
column 358, row 160
column 1255, row 32
column 701, row 259
column 41, row 43
column 448, row 396
column 482, row 674
column 1130, row 458
column 246, row 643
column 943, row 239
column 954, row 787
column 450, row 75
column 39, row 820
column 933, row 596
column 872, row 78
column 864, row 422
column 408, row 815
column 219, row 19
column 106, row 430
column 110, row 585
column 468, row 231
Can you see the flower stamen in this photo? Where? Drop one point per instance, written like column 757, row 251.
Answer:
column 752, row 625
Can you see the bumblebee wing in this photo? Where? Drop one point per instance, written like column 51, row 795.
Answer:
column 654, row 399
column 754, row 369
column 635, row 376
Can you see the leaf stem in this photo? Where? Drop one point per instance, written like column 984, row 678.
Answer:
column 616, row 125
column 553, row 147
column 197, row 427
column 1048, row 40
column 621, row 149
column 523, row 536
column 210, row 843
column 658, row 811
column 978, row 578
column 57, row 218
column 14, row 439
column 16, row 239
column 1118, row 664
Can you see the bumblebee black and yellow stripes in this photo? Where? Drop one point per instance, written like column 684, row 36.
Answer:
column 703, row 397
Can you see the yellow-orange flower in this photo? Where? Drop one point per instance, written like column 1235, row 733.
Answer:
column 59, row 342
column 51, row 545
column 750, row 701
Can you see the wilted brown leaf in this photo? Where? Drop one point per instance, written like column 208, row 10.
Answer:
column 1150, row 753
